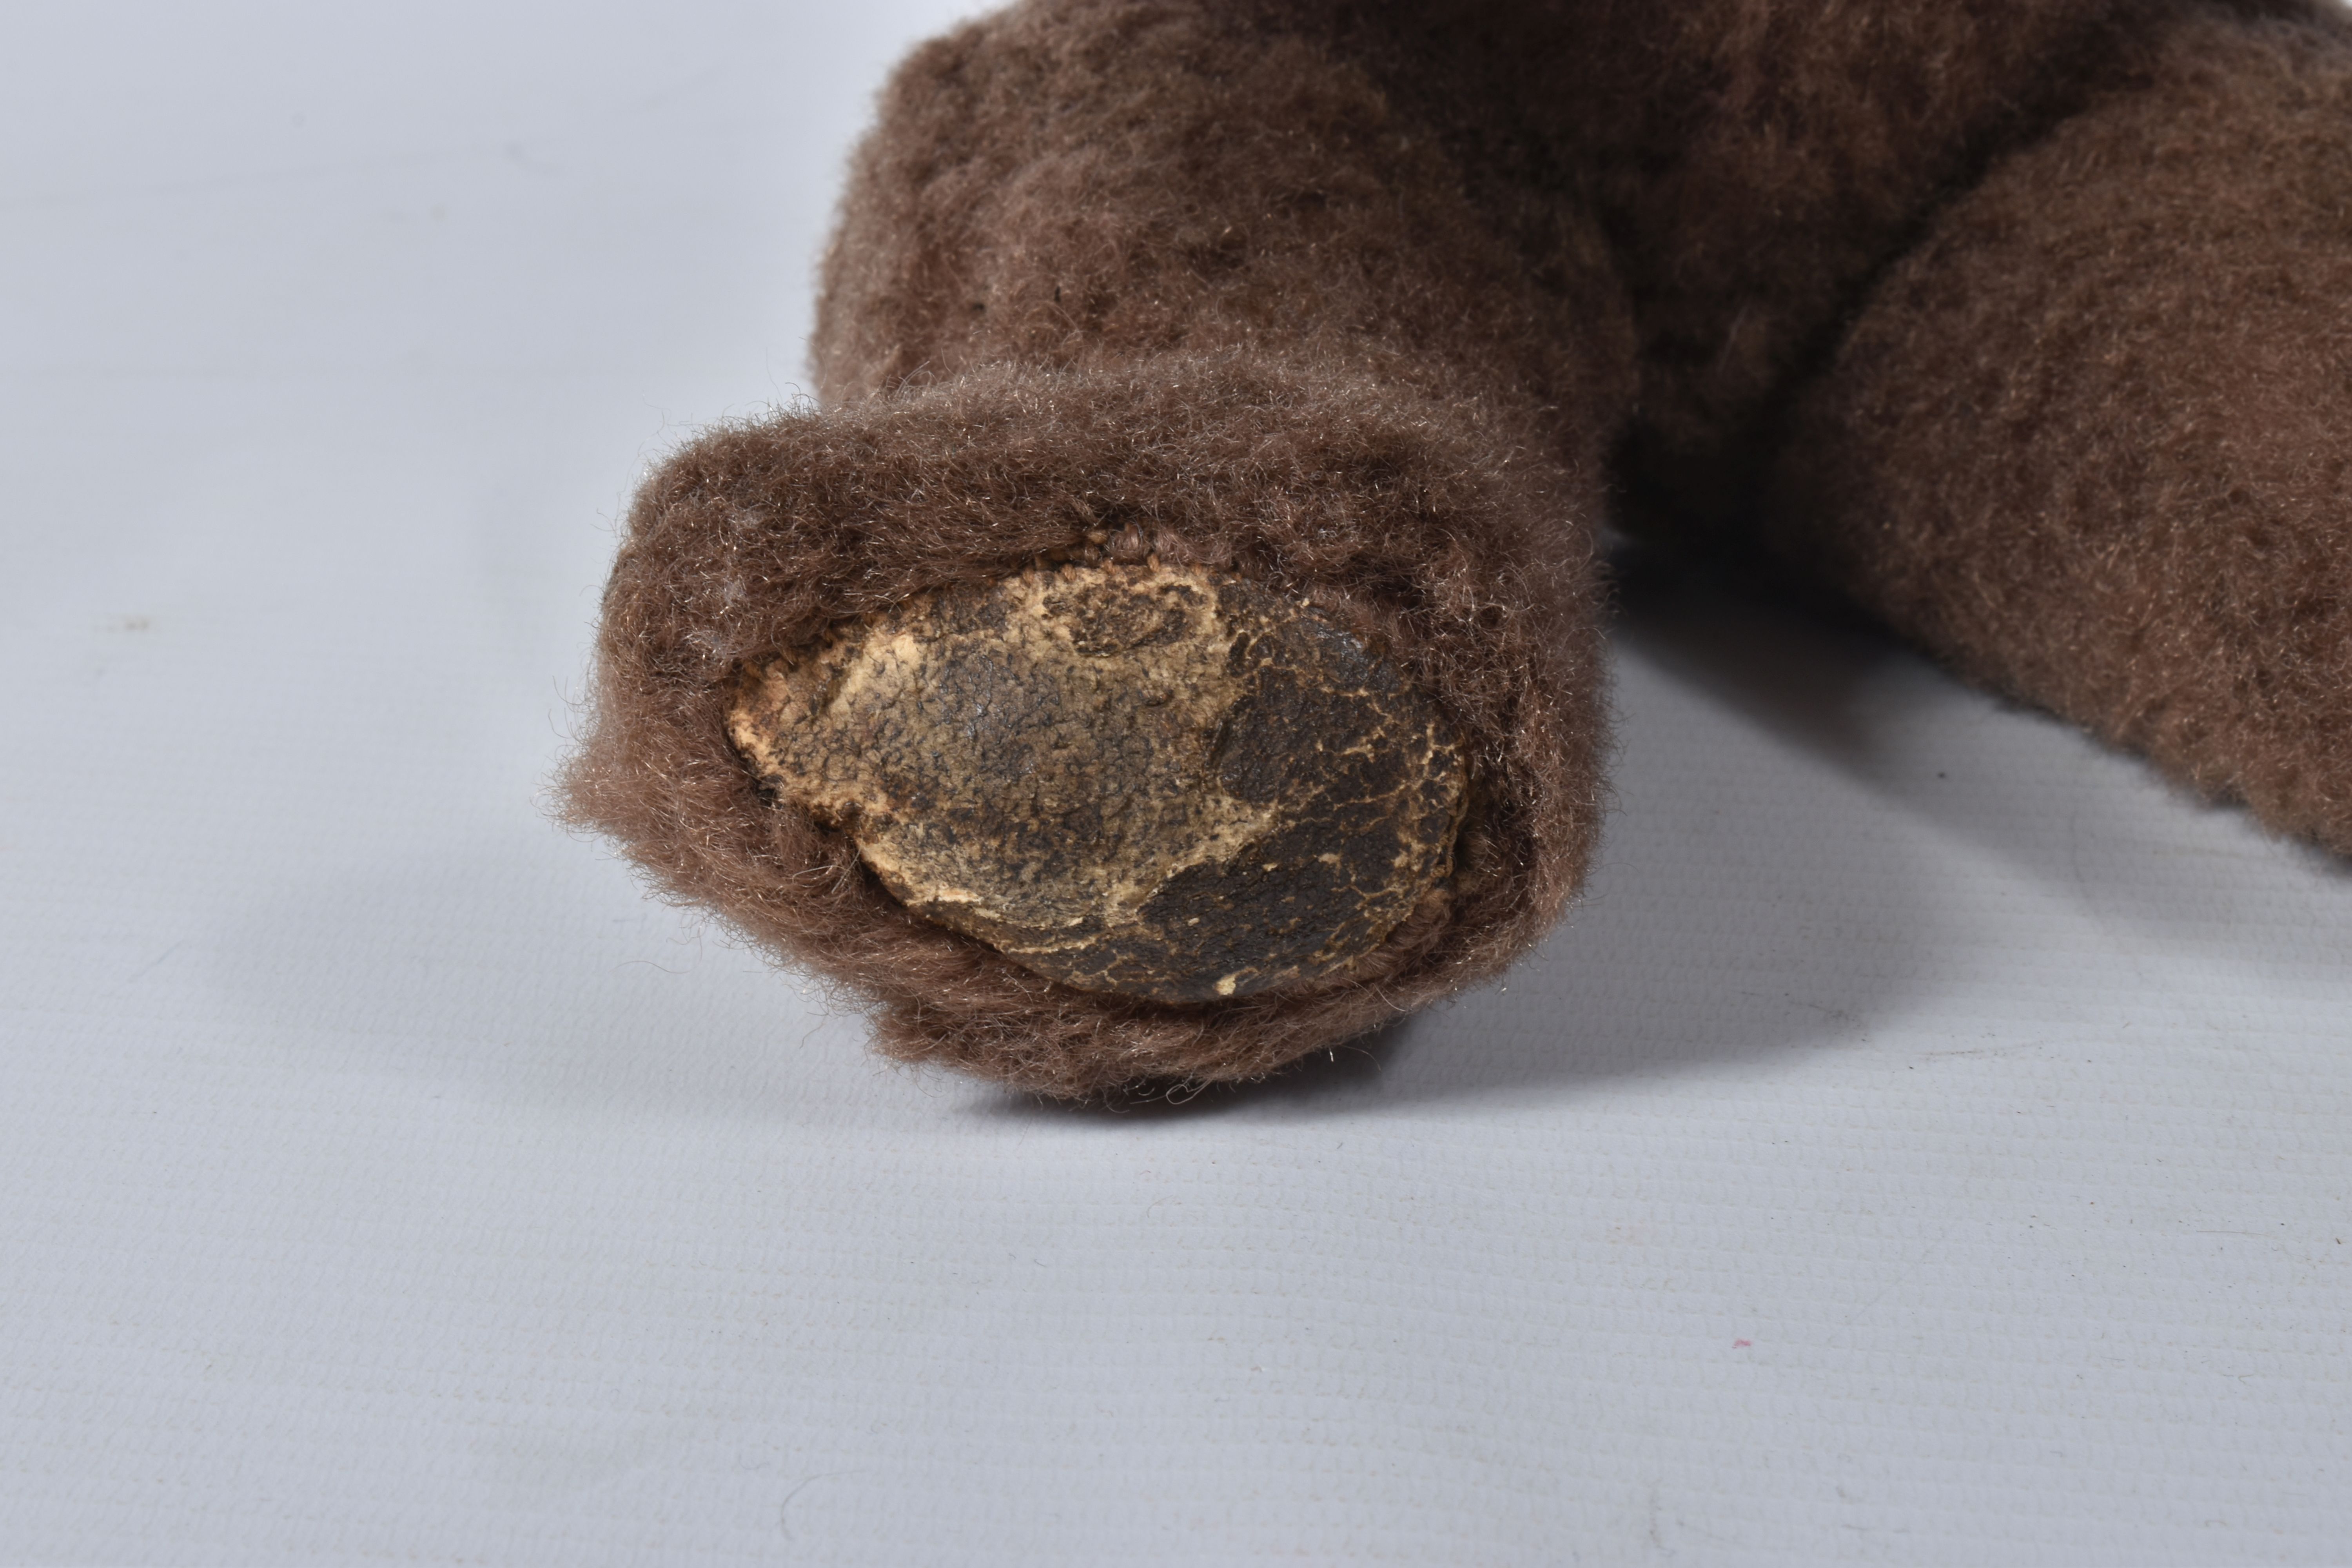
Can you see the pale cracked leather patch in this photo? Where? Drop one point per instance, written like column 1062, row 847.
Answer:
column 1153, row 780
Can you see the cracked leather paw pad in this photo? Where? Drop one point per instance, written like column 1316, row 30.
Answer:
column 1151, row 781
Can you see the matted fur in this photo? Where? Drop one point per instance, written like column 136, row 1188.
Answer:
column 2026, row 316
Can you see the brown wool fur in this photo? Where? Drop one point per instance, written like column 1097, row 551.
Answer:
column 2021, row 321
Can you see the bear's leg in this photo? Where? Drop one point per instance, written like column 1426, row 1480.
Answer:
column 1203, row 492
column 2091, row 441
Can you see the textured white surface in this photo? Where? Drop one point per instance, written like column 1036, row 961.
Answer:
column 1930, row 1142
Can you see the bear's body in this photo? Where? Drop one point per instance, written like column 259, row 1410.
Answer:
column 2025, row 325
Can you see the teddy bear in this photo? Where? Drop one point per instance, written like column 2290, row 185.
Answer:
column 1170, row 643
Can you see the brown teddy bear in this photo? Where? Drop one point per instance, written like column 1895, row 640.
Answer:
column 1172, row 643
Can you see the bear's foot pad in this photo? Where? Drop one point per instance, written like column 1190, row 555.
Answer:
column 1153, row 780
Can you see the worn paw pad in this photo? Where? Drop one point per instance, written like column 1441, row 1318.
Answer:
column 1153, row 780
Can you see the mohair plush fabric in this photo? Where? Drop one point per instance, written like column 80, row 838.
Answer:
column 2020, row 321
column 1412, row 521
column 2091, row 441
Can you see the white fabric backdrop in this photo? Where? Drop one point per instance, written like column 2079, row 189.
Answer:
column 1928, row 1142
